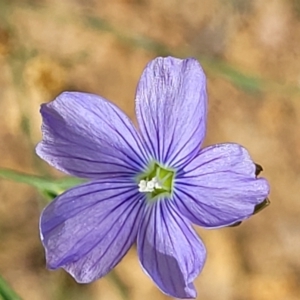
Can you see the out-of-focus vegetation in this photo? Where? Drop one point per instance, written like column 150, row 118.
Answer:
column 250, row 52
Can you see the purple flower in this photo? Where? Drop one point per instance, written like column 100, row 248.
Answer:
column 146, row 185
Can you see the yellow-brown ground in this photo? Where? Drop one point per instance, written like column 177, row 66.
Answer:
column 48, row 46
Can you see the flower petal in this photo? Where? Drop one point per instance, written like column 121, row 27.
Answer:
column 88, row 229
column 219, row 187
column 171, row 105
column 87, row 136
column 169, row 250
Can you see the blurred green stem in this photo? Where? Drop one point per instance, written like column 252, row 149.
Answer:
column 118, row 282
column 214, row 66
column 49, row 187
column 6, row 292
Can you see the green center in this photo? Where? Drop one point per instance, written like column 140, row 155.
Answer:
column 162, row 178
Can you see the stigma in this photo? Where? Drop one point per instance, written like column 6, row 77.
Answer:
column 156, row 182
column 148, row 186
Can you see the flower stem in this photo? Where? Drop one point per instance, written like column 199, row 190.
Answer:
column 6, row 292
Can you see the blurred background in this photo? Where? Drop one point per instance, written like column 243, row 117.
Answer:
column 250, row 52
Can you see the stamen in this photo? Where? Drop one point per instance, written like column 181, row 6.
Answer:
column 142, row 186
column 149, row 186
column 158, row 181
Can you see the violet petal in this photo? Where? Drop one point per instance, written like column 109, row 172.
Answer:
column 219, row 187
column 89, row 137
column 171, row 105
column 88, row 229
column 169, row 250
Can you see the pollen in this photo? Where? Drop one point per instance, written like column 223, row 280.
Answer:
column 158, row 180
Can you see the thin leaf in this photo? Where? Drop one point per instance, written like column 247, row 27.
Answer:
column 6, row 292
column 118, row 282
column 49, row 187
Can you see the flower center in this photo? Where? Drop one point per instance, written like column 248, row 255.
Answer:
column 157, row 181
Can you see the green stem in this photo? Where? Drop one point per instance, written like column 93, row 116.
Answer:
column 6, row 292
column 55, row 186
column 118, row 282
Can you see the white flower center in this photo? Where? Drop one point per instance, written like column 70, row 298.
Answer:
column 148, row 186
column 156, row 182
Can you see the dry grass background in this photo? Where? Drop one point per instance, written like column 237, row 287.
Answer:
column 48, row 46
